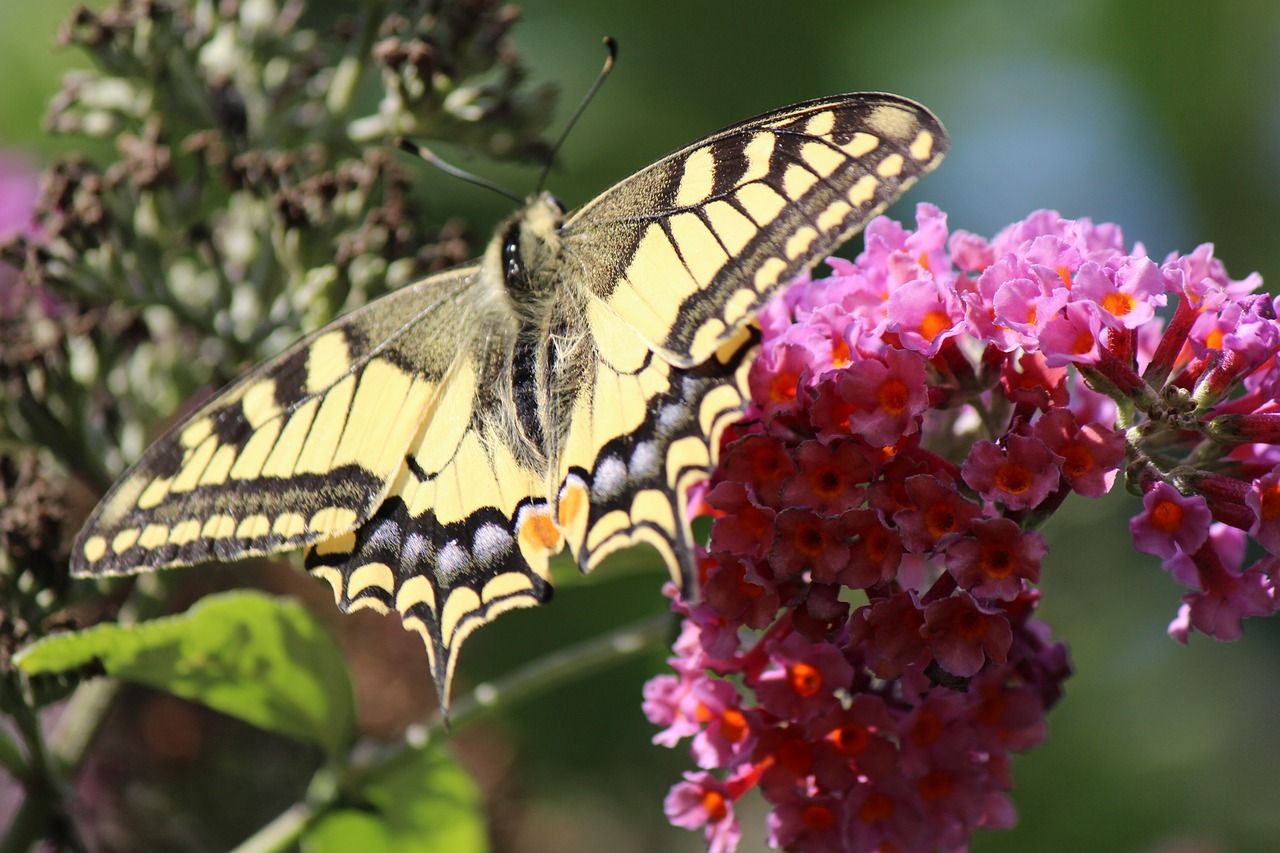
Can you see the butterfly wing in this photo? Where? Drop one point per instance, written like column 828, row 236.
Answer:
column 685, row 251
column 466, row 533
column 303, row 448
column 673, row 263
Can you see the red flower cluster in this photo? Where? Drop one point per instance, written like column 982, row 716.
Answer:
column 865, row 652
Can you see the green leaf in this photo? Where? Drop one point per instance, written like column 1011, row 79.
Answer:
column 418, row 800
column 265, row 660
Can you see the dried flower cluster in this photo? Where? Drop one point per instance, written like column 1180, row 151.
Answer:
column 865, row 652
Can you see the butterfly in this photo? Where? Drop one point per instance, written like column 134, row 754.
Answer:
column 433, row 449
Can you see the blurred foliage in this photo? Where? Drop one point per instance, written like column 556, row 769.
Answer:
column 1154, row 115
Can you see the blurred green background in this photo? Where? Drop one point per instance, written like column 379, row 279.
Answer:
column 1161, row 116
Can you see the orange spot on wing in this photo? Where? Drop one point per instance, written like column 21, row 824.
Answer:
column 539, row 532
column 572, row 501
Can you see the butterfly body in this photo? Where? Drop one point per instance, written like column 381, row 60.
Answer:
column 433, row 449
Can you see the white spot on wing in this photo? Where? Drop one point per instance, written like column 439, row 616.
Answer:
column 672, row 416
column 644, row 459
column 610, row 477
column 386, row 537
column 490, row 543
column 451, row 560
column 412, row 550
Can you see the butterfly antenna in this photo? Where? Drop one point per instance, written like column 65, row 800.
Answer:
column 610, row 45
column 450, row 169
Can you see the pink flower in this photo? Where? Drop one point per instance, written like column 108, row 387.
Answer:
column 1170, row 520
column 937, row 512
column 1264, row 499
column 1020, row 475
column 830, row 477
column 806, row 541
column 802, row 678
column 700, row 801
column 746, row 528
column 1091, row 455
column 892, row 725
column 888, row 633
column 996, row 560
column 887, row 396
column 1126, row 297
column 963, row 634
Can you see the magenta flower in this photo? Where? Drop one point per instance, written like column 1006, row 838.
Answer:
column 1170, row 521
column 963, row 634
column 1091, row 455
column 887, row 396
column 936, row 513
column 996, row 560
column 830, row 477
column 802, row 678
column 915, row 416
column 702, row 801
column 1264, row 499
column 1019, row 476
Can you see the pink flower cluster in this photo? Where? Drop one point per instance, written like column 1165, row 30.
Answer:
column 864, row 651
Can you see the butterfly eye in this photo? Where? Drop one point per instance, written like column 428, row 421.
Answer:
column 512, row 268
column 559, row 205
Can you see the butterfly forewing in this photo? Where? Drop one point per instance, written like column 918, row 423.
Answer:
column 300, row 449
column 698, row 241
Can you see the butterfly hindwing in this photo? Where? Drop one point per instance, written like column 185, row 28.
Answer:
column 643, row 432
column 466, row 532
column 297, row 450
column 688, row 249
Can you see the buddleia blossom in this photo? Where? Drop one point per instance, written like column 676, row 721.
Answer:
column 865, row 650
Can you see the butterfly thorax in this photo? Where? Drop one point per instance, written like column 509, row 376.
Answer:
column 526, row 257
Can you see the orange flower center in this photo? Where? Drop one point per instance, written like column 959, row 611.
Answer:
column 840, row 355
column 849, row 739
column 805, row 679
column 934, row 324
column 782, row 388
column 997, row 561
column 1167, row 516
column 1065, row 275
column 1013, row 479
column 825, row 482
column 1083, row 342
column 733, row 725
column 940, row 519
column 808, row 539
column 892, row 396
column 1117, row 304
column 1271, row 503
column 715, row 806
column 1079, row 461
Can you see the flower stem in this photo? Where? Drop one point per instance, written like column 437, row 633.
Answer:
column 541, row 675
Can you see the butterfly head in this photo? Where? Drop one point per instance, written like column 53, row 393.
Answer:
column 527, row 248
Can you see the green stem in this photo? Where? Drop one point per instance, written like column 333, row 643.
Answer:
column 284, row 831
column 539, row 676
column 556, row 668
